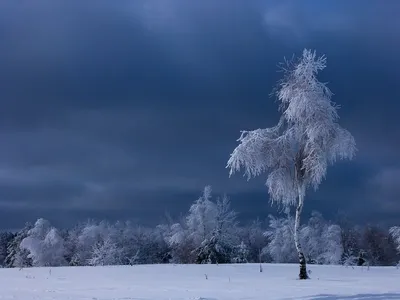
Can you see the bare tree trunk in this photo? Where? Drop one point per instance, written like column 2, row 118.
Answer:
column 302, row 260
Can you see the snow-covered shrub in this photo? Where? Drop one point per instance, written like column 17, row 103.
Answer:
column 240, row 254
column 45, row 245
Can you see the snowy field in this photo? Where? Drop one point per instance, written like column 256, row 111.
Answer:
column 224, row 282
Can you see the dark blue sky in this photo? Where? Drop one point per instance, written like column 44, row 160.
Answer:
column 127, row 109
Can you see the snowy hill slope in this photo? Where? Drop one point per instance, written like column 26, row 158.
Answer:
column 211, row 282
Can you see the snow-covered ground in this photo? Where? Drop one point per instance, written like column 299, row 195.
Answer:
column 211, row 282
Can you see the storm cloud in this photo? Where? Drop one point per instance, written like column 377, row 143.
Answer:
column 127, row 109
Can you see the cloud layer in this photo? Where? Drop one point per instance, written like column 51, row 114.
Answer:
column 126, row 110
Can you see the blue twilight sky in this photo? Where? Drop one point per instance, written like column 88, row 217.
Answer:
column 127, row 109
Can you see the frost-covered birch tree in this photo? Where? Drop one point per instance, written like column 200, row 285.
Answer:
column 297, row 151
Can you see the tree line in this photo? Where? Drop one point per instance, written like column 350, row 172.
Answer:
column 208, row 233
